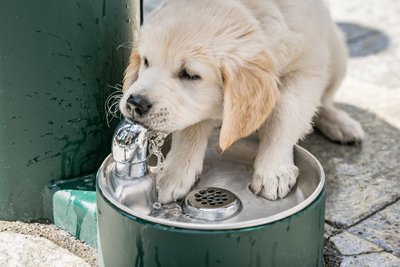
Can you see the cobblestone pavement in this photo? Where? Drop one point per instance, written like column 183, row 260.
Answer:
column 363, row 203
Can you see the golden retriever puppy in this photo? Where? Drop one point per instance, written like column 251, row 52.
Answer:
column 254, row 65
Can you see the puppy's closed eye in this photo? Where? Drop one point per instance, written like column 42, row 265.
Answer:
column 188, row 75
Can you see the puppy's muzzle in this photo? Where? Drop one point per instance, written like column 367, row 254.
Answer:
column 138, row 105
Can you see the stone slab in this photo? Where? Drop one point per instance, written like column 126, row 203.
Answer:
column 52, row 233
column 380, row 259
column 383, row 228
column 360, row 179
column 18, row 250
column 349, row 244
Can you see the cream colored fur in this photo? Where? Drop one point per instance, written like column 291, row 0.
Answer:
column 265, row 65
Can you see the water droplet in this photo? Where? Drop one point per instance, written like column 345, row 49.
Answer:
column 157, row 205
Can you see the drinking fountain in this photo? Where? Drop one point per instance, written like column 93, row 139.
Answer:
column 220, row 222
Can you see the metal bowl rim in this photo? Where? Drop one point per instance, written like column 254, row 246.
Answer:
column 227, row 226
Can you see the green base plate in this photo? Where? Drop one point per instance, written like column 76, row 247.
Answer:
column 74, row 208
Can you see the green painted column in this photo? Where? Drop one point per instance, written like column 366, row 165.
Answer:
column 57, row 59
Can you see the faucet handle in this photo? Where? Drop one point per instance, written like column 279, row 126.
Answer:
column 130, row 141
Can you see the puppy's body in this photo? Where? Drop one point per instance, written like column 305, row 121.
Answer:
column 266, row 65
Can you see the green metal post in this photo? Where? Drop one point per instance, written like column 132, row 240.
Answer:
column 57, row 59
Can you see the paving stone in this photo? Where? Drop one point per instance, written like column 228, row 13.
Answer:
column 18, row 250
column 330, row 231
column 381, row 259
column 349, row 244
column 360, row 179
column 383, row 228
column 53, row 234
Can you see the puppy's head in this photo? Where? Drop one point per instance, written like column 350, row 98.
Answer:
column 200, row 60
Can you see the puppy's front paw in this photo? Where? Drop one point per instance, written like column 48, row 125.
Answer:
column 174, row 183
column 274, row 183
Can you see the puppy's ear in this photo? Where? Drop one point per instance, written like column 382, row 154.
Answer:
column 131, row 72
column 250, row 93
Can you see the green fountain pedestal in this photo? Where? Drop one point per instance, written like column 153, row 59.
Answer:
column 58, row 60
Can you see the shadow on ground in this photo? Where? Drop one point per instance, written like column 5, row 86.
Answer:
column 364, row 41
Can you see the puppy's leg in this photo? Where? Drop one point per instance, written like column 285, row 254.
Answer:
column 184, row 162
column 274, row 169
column 336, row 124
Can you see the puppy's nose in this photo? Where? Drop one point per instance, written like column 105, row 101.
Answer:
column 139, row 104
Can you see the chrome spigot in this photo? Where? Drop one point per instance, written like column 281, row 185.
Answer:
column 130, row 150
column 130, row 179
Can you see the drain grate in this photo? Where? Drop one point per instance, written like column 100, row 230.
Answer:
column 212, row 198
column 211, row 203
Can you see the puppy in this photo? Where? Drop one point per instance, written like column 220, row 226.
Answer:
column 254, row 65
